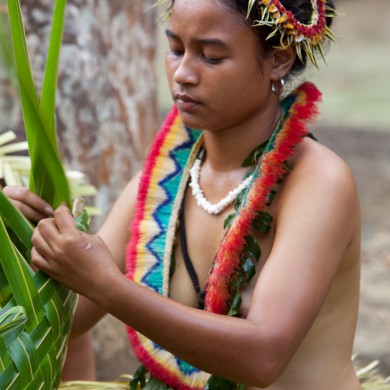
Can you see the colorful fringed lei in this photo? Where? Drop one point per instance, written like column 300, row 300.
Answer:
column 160, row 196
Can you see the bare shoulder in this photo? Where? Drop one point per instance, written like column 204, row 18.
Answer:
column 321, row 192
column 319, row 163
column 318, row 171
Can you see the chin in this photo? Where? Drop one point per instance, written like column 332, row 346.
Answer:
column 191, row 121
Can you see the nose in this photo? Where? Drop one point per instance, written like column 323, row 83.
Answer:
column 186, row 71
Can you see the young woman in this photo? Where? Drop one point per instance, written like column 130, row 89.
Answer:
column 278, row 255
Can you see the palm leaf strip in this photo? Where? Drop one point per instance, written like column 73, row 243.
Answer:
column 35, row 311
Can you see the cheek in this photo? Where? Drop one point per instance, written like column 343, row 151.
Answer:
column 246, row 86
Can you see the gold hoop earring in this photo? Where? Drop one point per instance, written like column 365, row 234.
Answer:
column 279, row 91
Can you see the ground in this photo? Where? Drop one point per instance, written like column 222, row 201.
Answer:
column 368, row 155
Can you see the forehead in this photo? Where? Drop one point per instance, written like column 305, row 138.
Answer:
column 209, row 18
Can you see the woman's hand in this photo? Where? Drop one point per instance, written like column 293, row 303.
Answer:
column 78, row 260
column 29, row 204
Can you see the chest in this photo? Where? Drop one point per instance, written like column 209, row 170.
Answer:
column 203, row 235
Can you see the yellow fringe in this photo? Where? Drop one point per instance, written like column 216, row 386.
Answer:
column 369, row 378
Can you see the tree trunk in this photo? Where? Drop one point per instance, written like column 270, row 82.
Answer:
column 107, row 101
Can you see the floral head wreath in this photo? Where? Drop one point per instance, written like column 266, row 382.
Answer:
column 308, row 37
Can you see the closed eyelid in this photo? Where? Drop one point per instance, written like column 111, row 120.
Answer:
column 170, row 34
column 201, row 41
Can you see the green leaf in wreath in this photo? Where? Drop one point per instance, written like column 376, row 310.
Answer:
column 255, row 155
column 139, row 378
column 249, row 269
column 239, row 199
column 262, row 222
column 271, row 196
column 236, row 303
column 251, row 247
column 218, row 383
column 228, row 221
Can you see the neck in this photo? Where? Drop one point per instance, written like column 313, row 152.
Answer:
column 226, row 149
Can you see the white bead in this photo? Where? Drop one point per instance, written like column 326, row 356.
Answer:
column 200, row 198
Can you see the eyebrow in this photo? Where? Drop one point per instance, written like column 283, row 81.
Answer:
column 203, row 41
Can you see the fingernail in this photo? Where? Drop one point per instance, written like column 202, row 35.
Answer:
column 49, row 210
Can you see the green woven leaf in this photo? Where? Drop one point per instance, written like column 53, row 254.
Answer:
column 47, row 105
column 35, row 311
column 11, row 318
column 12, row 217
column 16, row 274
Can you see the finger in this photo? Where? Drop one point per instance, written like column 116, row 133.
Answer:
column 38, row 260
column 29, row 199
column 41, row 245
column 64, row 220
column 31, row 214
column 48, row 231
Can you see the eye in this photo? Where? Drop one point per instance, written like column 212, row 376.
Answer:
column 175, row 52
column 211, row 60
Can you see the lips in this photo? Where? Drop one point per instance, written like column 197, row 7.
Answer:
column 185, row 102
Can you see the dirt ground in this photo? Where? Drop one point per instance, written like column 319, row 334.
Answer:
column 368, row 155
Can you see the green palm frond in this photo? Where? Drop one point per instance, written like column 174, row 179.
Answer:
column 47, row 175
column 35, row 311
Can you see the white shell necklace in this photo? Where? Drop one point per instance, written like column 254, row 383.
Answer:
column 201, row 200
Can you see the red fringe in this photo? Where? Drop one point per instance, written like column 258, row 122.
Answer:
column 155, row 368
column 150, row 163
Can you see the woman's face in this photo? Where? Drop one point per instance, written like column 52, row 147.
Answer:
column 216, row 78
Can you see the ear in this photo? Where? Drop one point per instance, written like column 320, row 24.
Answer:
column 282, row 61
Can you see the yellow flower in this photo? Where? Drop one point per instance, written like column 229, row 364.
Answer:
column 283, row 19
column 289, row 26
column 316, row 40
column 272, row 9
column 266, row 2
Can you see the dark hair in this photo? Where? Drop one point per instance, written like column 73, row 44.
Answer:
column 301, row 9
